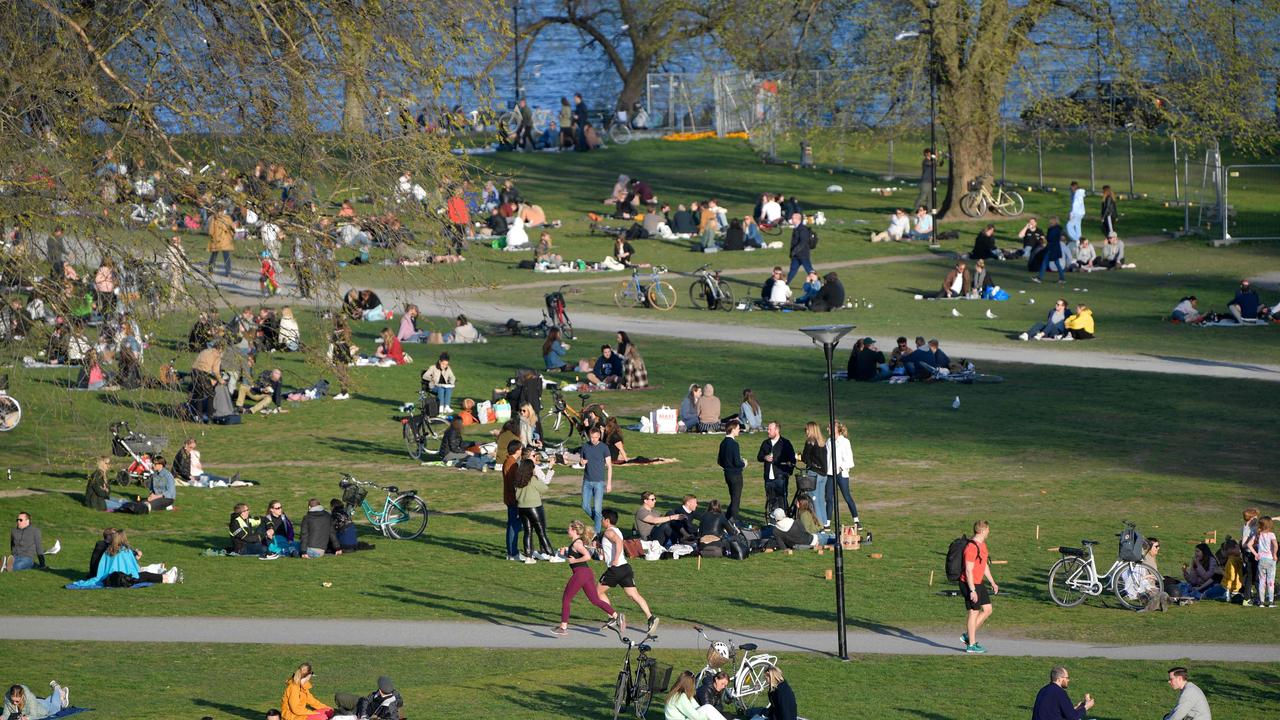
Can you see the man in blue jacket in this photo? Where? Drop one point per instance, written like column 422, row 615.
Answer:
column 608, row 368
column 1053, row 253
column 1246, row 305
column 1053, row 703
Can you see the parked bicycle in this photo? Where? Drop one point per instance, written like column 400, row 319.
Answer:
column 10, row 408
column 1075, row 577
column 403, row 515
column 637, row 689
column 979, row 199
column 967, row 375
column 652, row 290
column 709, row 292
column 575, row 421
column 748, row 680
column 616, row 127
column 423, row 432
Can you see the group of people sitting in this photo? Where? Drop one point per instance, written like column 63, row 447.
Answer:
column 1245, row 307
column 1052, row 249
column 924, row 361
column 904, row 227
column 273, row 535
column 616, row 368
column 817, row 295
column 299, row 703
column 960, row 282
column 1063, row 323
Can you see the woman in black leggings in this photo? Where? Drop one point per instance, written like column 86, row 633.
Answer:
column 528, row 504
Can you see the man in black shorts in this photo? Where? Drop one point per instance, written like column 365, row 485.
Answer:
column 619, row 572
column 976, row 599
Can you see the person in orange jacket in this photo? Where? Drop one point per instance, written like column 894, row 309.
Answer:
column 298, row 703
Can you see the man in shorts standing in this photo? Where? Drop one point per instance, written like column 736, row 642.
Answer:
column 619, row 572
column 976, row 599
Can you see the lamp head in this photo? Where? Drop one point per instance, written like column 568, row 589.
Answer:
column 827, row 334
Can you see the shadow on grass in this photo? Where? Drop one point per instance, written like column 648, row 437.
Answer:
column 1201, row 362
column 925, row 714
column 232, row 710
column 359, row 446
column 578, row 702
column 513, row 616
column 492, row 520
column 150, row 407
column 868, row 625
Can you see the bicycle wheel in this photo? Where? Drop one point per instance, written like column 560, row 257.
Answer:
column 10, row 413
column 620, row 692
column 698, row 295
column 1063, row 579
column 1131, row 583
column 620, row 133
column 984, row 379
column 412, row 440
column 750, row 680
column 627, row 295
column 407, row 517
column 973, row 204
column 661, row 295
column 726, row 296
column 1012, row 205
column 644, row 689
column 512, row 119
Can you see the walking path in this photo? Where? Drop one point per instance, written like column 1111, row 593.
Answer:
column 443, row 634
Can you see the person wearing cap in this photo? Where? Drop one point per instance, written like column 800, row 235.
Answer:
column 1246, row 305
column 1111, row 255
column 381, row 704
column 869, row 364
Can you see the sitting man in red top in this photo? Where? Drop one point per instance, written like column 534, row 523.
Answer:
column 976, row 598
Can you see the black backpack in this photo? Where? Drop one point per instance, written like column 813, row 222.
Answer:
column 955, row 557
column 813, row 239
column 1130, row 544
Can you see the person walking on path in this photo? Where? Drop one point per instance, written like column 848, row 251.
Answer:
column 730, row 460
column 222, row 239
column 597, row 476
column 1192, row 704
column 1053, row 703
column 803, row 241
column 620, row 574
column 524, row 132
column 976, row 599
column 582, row 579
column 1077, row 212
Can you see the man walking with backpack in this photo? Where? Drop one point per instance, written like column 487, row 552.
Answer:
column 976, row 599
column 803, row 241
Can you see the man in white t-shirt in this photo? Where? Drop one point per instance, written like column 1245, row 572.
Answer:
column 1077, row 213
column 770, row 211
column 899, row 226
column 923, row 229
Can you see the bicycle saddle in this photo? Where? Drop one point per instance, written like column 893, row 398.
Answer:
column 748, row 647
column 644, row 647
column 392, row 489
column 1089, row 542
column 585, row 396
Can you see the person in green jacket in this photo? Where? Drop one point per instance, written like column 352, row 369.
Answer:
column 530, row 482
column 21, row 702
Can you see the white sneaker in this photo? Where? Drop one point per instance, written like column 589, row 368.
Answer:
column 1067, row 338
column 530, row 561
column 1039, row 336
column 342, row 396
column 1024, row 337
column 555, row 559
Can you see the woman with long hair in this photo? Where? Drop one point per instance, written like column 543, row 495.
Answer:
column 298, row 703
column 635, row 374
column 390, row 349
column 689, row 408
column 782, row 699
column 528, row 500
column 624, row 342
column 553, row 351
column 581, row 578
column 814, row 458
column 842, row 462
column 749, row 412
column 681, row 704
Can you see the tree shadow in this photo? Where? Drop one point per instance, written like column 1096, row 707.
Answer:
column 165, row 410
column 358, row 447
column 924, row 714
column 513, row 616
column 579, row 702
column 233, row 710
column 480, row 519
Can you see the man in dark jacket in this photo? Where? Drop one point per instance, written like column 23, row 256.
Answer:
column 381, row 704
column 1246, row 305
column 1053, row 703
column 25, row 544
column 580, row 121
column 803, row 240
column 730, row 460
column 608, row 368
column 779, row 461
column 246, row 532
column 264, row 391
column 831, row 296
column 1053, row 253
column 524, row 132
column 317, row 533
column 870, row 365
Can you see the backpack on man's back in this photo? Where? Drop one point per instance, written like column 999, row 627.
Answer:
column 955, row 557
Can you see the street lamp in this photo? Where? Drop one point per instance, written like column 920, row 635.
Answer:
column 933, row 94
column 829, row 336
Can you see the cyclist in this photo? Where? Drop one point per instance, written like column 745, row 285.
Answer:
column 619, row 572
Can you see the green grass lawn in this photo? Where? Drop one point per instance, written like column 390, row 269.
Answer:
column 169, row 680
column 1070, row 452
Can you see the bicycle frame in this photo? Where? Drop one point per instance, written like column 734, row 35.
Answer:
column 1095, row 583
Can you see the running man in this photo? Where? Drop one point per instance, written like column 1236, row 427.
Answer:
column 581, row 579
column 619, row 572
column 976, row 598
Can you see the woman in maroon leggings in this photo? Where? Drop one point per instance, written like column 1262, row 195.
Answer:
column 583, row 579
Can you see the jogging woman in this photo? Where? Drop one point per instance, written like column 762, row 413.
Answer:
column 581, row 578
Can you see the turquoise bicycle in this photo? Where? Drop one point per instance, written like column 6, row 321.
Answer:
column 403, row 515
column 651, row 290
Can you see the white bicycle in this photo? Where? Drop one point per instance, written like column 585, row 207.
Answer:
column 10, row 408
column 1075, row 577
column 748, row 680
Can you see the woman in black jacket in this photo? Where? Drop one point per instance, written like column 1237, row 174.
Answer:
column 782, row 700
column 452, row 446
column 814, row 457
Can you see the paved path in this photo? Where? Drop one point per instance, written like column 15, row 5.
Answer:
column 442, row 634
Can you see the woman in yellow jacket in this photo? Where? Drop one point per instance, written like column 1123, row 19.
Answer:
column 1080, row 325
column 298, row 703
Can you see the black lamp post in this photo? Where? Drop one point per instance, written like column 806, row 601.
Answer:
column 829, row 336
column 933, row 138
column 515, row 44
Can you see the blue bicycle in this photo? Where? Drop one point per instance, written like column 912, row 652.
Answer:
column 651, row 290
column 403, row 515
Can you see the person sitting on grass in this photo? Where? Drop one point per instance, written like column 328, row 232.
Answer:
column 831, row 296
column 92, row 374
column 381, row 704
column 1112, row 255
column 791, row 532
column 545, row 252
column 899, row 226
column 869, row 363
column 390, row 348
column 98, row 490
column 958, row 283
column 162, row 493
column 689, row 407
column 984, row 246
column 246, row 532
column 298, row 703
column 776, row 292
column 1246, row 305
column 749, row 413
column 278, row 531
column 363, row 305
column 1080, row 325
column 982, row 281
column 553, row 352
column 1188, row 311
column 635, row 374
column 812, row 286
column 317, row 535
column 452, row 447
column 409, row 332
column 439, row 380
column 20, row 703
column 923, row 229
column 1198, row 578
column 1054, row 326
column 118, row 567
column 1086, row 258
column 265, row 391
column 708, row 409
column 608, row 369
column 751, row 233
column 463, row 332
column 681, row 704
column 782, row 699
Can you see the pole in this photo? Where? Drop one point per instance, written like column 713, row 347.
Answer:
column 515, row 42
column 1004, row 150
column 933, row 199
column 1186, row 206
column 1131, row 163
column 1040, row 156
column 890, row 157
column 1177, row 191
column 842, row 650
column 1091, row 164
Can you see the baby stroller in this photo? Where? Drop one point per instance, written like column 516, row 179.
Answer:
column 126, row 443
column 555, row 315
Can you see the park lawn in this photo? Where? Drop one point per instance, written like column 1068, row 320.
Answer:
column 168, row 680
column 1069, row 457
column 1129, row 306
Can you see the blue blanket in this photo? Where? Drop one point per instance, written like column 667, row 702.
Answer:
column 70, row 711
column 89, row 585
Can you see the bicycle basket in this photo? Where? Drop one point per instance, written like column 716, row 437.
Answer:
column 719, row 655
column 661, row 677
column 354, row 494
column 975, row 185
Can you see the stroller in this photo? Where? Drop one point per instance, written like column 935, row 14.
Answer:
column 140, row 447
column 555, row 315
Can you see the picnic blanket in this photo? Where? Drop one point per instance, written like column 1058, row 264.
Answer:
column 31, row 363
column 83, row 585
column 69, row 711
column 1232, row 323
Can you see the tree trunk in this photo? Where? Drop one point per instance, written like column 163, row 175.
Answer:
column 634, row 85
column 970, row 142
column 354, row 32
